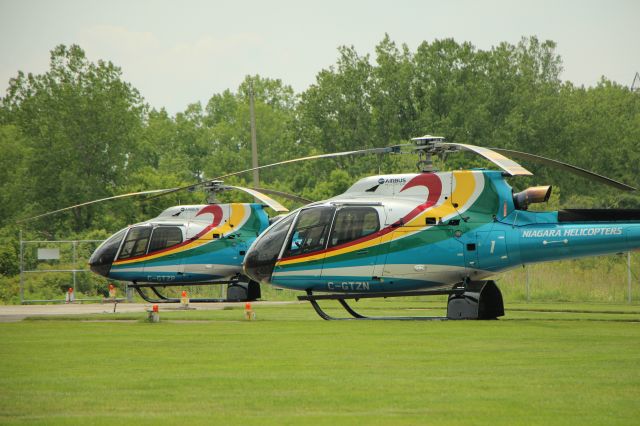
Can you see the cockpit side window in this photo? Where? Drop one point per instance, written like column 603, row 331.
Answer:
column 310, row 231
column 352, row 223
column 135, row 244
column 165, row 236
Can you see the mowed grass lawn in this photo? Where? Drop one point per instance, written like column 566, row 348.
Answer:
column 289, row 367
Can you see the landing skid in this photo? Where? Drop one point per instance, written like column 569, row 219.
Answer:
column 341, row 298
column 471, row 300
column 237, row 291
column 163, row 299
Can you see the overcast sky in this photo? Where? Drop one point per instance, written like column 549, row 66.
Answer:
column 179, row 52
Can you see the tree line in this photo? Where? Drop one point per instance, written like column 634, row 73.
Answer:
column 79, row 132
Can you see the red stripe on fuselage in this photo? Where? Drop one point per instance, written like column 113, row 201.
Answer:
column 430, row 181
column 214, row 209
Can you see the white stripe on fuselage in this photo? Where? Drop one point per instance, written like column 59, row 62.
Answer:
column 421, row 272
column 196, row 268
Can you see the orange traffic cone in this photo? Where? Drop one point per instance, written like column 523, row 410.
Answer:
column 248, row 312
column 154, row 314
column 184, row 300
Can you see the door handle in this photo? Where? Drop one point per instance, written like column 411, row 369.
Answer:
column 362, row 252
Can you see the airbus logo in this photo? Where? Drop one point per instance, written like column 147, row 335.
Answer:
column 392, row 180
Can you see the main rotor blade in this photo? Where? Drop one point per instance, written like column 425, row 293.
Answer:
column 291, row 197
column 395, row 148
column 264, row 198
column 493, row 155
column 568, row 167
column 131, row 194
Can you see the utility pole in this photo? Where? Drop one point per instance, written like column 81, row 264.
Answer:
column 635, row 86
column 254, row 143
column 21, row 269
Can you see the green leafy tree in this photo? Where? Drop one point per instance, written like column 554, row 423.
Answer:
column 15, row 176
column 228, row 117
column 81, row 121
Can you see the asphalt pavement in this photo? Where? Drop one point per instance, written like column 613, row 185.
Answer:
column 13, row 313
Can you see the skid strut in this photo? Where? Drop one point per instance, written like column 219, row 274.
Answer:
column 160, row 295
column 468, row 300
column 341, row 298
column 236, row 292
column 163, row 299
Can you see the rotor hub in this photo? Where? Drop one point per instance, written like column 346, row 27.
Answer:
column 426, row 146
column 212, row 189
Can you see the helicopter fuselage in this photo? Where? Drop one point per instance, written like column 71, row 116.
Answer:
column 425, row 231
column 184, row 244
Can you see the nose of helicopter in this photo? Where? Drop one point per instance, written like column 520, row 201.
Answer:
column 263, row 253
column 258, row 267
column 102, row 258
column 99, row 263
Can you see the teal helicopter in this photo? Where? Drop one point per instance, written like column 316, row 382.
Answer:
column 431, row 233
column 188, row 245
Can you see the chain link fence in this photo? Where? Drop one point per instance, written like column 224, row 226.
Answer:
column 599, row 279
column 48, row 269
column 52, row 270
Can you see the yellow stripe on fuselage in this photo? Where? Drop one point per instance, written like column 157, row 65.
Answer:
column 237, row 219
column 464, row 190
column 465, row 187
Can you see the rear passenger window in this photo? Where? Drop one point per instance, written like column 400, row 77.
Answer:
column 164, row 237
column 352, row 223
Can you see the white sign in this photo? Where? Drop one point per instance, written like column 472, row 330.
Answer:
column 48, row 254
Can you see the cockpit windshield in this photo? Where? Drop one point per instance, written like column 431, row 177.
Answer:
column 102, row 258
column 261, row 258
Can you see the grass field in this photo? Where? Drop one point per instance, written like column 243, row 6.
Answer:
column 541, row 364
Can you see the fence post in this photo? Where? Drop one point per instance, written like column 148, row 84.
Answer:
column 526, row 271
column 128, row 291
column 629, row 276
column 21, row 271
column 75, row 265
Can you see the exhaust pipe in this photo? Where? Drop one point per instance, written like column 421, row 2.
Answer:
column 534, row 194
